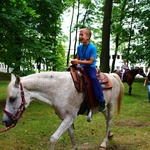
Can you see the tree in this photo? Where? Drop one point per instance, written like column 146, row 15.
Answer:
column 140, row 42
column 70, row 31
column 104, row 56
column 30, row 34
column 116, row 27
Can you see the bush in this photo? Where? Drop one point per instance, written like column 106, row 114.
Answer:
column 5, row 76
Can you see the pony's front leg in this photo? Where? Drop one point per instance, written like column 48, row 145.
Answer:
column 130, row 90
column 66, row 123
column 71, row 135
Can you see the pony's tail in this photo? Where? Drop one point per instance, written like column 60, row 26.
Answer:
column 121, row 93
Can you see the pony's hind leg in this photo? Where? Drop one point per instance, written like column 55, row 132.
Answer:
column 108, row 116
column 71, row 135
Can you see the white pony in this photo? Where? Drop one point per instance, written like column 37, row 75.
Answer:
column 57, row 89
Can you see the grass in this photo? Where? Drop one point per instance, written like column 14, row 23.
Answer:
column 131, row 129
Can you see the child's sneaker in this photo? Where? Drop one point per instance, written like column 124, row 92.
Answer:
column 102, row 105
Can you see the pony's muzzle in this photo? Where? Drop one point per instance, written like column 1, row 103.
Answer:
column 7, row 121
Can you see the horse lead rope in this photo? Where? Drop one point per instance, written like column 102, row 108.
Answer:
column 19, row 112
column 7, row 128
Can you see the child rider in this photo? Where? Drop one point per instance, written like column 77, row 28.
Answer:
column 86, row 57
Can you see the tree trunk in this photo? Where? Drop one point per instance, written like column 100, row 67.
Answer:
column 118, row 35
column 104, row 56
column 76, row 28
column 130, row 31
column 69, row 49
column 115, row 55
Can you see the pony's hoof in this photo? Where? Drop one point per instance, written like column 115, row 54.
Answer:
column 89, row 119
column 110, row 136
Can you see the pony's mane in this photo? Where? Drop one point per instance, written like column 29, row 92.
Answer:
column 134, row 69
column 48, row 75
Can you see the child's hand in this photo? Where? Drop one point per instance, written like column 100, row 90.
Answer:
column 74, row 61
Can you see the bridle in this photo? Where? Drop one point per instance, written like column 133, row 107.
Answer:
column 19, row 112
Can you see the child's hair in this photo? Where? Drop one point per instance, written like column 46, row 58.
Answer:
column 87, row 31
column 124, row 60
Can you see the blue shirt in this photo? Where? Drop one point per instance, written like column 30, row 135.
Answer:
column 85, row 52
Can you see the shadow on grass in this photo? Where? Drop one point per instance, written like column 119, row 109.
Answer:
column 111, row 145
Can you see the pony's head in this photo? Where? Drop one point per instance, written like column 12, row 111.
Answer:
column 141, row 72
column 15, row 102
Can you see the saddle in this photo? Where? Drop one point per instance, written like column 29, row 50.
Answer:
column 83, row 84
column 119, row 72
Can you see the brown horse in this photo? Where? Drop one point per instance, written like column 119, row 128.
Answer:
column 129, row 76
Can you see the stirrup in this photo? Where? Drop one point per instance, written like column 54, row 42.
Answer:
column 89, row 119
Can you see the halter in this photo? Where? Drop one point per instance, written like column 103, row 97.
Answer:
column 19, row 112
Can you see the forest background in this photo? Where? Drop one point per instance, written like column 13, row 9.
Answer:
column 31, row 32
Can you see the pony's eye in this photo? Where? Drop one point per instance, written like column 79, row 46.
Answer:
column 12, row 99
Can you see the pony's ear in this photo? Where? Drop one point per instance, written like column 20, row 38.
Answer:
column 16, row 78
column 13, row 77
column 17, row 81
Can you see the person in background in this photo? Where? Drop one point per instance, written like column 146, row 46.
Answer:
column 124, row 67
column 86, row 57
column 147, row 81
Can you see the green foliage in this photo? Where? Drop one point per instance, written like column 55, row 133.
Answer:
column 131, row 24
column 29, row 31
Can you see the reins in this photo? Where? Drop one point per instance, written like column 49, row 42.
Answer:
column 19, row 112
column 7, row 128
